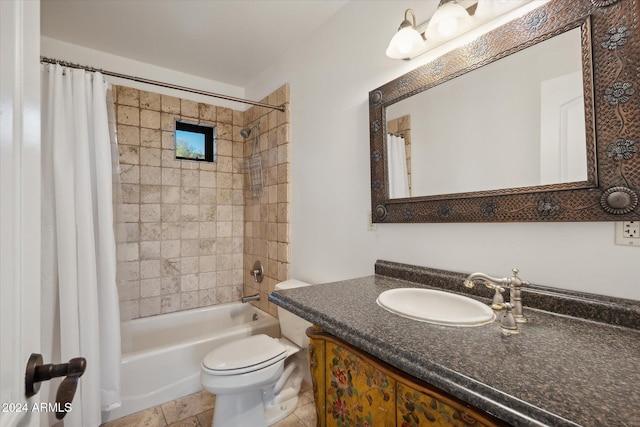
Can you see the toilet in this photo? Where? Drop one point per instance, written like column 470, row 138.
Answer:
column 257, row 379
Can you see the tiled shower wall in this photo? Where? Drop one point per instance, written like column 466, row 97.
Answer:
column 191, row 228
column 266, row 237
column 184, row 219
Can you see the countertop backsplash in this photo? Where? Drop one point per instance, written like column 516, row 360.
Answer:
column 599, row 308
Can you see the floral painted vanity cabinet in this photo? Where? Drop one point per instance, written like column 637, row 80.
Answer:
column 352, row 388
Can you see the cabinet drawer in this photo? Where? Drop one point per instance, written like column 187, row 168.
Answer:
column 357, row 394
column 418, row 408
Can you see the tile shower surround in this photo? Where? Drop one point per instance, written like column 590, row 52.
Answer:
column 190, row 228
column 267, row 220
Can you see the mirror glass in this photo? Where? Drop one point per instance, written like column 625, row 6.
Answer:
column 516, row 122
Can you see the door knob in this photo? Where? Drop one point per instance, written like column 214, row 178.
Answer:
column 38, row 372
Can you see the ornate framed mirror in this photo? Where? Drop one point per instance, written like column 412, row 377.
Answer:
column 536, row 120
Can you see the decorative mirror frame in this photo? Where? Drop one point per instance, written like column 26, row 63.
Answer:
column 611, row 60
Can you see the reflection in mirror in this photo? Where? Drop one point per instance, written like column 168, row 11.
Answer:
column 517, row 122
column 399, row 155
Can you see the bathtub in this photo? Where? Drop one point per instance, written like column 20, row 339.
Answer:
column 161, row 354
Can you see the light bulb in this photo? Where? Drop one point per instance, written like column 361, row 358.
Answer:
column 405, row 43
column 487, row 9
column 449, row 19
column 447, row 26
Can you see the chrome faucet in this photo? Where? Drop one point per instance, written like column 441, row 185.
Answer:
column 255, row 297
column 514, row 306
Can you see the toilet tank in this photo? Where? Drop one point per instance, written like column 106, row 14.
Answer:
column 293, row 327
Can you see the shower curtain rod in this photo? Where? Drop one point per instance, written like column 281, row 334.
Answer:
column 157, row 83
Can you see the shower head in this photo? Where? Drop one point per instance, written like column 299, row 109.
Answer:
column 245, row 132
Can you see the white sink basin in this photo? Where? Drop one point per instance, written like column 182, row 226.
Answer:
column 441, row 308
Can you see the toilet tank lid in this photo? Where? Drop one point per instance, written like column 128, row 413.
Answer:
column 291, row 283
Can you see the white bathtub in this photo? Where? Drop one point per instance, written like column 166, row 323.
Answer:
column 161, row 354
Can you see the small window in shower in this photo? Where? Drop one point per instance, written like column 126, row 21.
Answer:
column 195, row 142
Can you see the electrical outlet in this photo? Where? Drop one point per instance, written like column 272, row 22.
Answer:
column 631, row 230
column 370, row 224
column 628, row 233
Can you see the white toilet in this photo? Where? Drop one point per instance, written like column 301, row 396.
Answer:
column 257, row 379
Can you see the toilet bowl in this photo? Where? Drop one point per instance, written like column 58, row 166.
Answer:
column 257, row 379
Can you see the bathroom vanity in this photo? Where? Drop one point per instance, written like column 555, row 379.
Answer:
column 353, row 388
column 575, row 363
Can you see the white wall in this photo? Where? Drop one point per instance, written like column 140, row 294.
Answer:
column 330, row 76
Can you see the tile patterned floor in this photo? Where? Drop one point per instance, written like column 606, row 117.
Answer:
column 196, row 410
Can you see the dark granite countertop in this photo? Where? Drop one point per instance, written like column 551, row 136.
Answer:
column 560, row 371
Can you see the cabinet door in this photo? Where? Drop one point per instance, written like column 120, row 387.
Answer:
column 417, row 408
column 357, row 394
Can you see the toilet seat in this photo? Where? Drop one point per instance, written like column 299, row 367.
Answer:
column 245, row 355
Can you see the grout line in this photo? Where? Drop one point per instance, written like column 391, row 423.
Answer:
column 166, row 421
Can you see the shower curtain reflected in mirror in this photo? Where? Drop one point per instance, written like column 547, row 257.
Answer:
column 397, row 163
column 80, row 309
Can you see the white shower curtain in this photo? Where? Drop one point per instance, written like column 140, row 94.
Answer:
column 397, row 164
column 79, row 292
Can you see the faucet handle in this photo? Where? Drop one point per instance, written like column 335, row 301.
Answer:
column 257, row 272
column 508, row 322
column 498, row 299
column 517, row 281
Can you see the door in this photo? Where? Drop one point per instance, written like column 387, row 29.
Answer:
column 563, row 139
column 19, row 206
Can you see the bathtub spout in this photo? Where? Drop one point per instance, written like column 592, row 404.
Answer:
column 255, row 297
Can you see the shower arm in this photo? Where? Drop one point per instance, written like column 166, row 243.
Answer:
column 246, row 133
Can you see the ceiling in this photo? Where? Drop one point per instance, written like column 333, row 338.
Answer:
column 229, row 41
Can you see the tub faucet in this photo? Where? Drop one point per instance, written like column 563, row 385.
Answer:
column 515, row 294
column 255, row 297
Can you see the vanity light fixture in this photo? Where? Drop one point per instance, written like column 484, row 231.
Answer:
column 407, row 42
column 489, row 8
column 449, row 19
column 452, row 19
